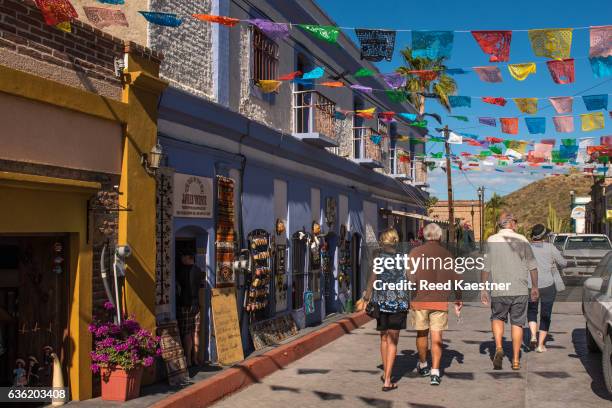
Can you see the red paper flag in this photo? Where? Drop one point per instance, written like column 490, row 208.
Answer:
column 426, row 75
column 494, row 140
column 494, row 43
column 509, row 125
column 561, row 71
column 494, row 101
column 226, row 21
column 291, row 76
column 548, row 141
column 386, row 115
column 606, row 141
column 56, row 11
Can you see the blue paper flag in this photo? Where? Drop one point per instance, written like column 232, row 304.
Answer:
column 409, row 116
column 487, row 121
column 305, row 82
column 112, row 1
column 376, row 139
column 458, row 101
column 601, row 66
column 595, row 102
column 316, row 73
column 456, row 71
column 162, row 19
column 536, row 125
column 432, row 44
column 568, row 152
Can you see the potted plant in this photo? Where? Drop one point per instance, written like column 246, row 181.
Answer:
column 120, row 353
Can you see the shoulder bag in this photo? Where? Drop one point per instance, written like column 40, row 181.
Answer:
column 559, row 284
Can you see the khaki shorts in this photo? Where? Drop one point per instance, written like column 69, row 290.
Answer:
column 429, row 319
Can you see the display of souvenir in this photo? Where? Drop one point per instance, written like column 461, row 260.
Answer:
column 344, row 269
column 225, row 236
column 20, row 375
column 280, row 226
column 280, row 277
column 258, row 292
column 330, row 211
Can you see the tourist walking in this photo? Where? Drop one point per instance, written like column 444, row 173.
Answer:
column 388, row 306
column 549, row 282
column 430, row 307
column 509, row 261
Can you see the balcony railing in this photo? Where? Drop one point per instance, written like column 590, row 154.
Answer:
column 365, row 150
column 313, row 118
column 400, row 167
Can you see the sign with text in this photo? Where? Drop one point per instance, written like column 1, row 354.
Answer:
column 225, row 323
column 192, row 196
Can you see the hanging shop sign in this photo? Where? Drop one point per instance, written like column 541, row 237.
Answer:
column 192, row 196
column 225, row 322
column 578, row 212
column 272, row 331
column 225, row 236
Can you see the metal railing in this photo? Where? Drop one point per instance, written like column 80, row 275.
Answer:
column 313, row 113
column 364, row 147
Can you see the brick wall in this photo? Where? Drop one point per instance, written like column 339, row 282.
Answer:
column 83, row 58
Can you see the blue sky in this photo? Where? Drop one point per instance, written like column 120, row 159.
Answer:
column 487, row 15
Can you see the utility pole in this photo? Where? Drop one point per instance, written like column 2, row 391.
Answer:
column 481, row 199
column 449, row 184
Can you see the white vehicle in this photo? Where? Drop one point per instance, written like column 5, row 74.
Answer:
column 597, row 310
column 586, row 251
column 558, row 239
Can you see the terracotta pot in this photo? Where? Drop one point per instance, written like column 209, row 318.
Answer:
column 120, row 385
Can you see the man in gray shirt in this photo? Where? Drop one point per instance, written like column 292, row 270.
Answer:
column 509, row 259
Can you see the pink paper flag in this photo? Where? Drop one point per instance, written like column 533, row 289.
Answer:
column 564, row 124
column 561, row 71
column 600, row 41
column 562, row 104
column 488, row 74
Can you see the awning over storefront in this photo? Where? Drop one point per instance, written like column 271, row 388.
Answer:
column 413, row 215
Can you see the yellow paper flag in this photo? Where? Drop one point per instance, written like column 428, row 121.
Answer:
column 65, row 26
column 552, row 43
column 522, row 71
column 527, row 105
column 268, row 85
column 592, row 121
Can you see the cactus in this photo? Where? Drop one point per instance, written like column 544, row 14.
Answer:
column 554, row 222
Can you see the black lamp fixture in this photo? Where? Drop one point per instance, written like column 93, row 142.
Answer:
column 152, row 160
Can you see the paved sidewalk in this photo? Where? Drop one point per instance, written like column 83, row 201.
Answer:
column 345, row 373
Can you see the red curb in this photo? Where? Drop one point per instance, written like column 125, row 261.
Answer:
column 241, row 375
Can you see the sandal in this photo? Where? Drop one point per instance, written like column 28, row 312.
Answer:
column 390, row 388
column 516, row 365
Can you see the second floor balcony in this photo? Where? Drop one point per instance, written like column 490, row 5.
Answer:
column 400, row 164
column 367, row 148
column 313, row 118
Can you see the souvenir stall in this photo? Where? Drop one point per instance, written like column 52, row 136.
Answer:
column 345, row 273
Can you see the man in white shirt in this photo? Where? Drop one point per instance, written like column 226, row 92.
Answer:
column 509, row 260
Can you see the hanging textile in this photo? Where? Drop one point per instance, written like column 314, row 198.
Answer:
column 600, row 43
column 364, row 72
column 361, row 88
column 595, row 102
column 103, row 17
column 226, row 21
column 394, row 80
column 494, row 101
column 473, row 142
column 488, row 74
column 551, row 43
column 509, row 125
column 56, row 11
column 562, row 104
column 376, row 45
column 601, row 66
column 521, row 71
column 527, row 105
column 416, row 140
column 459, row 117
column 459, row 101
column 564, row 124
column 332, row 84
column 432, row 44
column 536, row 125
column 561, row 71
column 487, row 121
column 268, row 85
column 366, row 113
column 592, row 121
column 408, row 116
column 494, row 43
column 291, row 76
column 316, row 73
column 274, row 31
column 396, row 96
column 325, row 33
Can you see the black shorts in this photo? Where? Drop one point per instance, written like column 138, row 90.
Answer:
column 391, row 321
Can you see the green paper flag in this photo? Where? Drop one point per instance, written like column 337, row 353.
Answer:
column 568, row 142
column 325, row 33
column 436, row 139
column 458, row 117
column 396, row 96
column 603, row 159
column 416, row 140
column 495, row 149
column 364, row 72
column 556, row 157
column 437, row 155
column 485, row 153
column 421, row 123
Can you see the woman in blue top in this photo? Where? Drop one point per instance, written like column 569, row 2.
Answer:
column 392, row 303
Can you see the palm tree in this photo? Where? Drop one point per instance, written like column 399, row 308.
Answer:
column 442, row 86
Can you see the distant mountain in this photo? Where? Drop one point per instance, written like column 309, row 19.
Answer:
column 530, row 203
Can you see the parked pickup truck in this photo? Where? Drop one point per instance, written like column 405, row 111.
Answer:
column 586, row 251
column 597, row 310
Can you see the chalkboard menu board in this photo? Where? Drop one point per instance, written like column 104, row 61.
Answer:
column 226, row 328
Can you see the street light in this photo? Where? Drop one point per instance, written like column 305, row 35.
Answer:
column 481, row 207
column 152, row 160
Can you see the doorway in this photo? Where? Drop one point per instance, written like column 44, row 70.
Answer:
column 356, row 266
column 34, row 308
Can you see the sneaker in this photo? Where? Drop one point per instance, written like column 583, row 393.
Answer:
column 435, row 380
column 424, row 371
column 498, row 359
